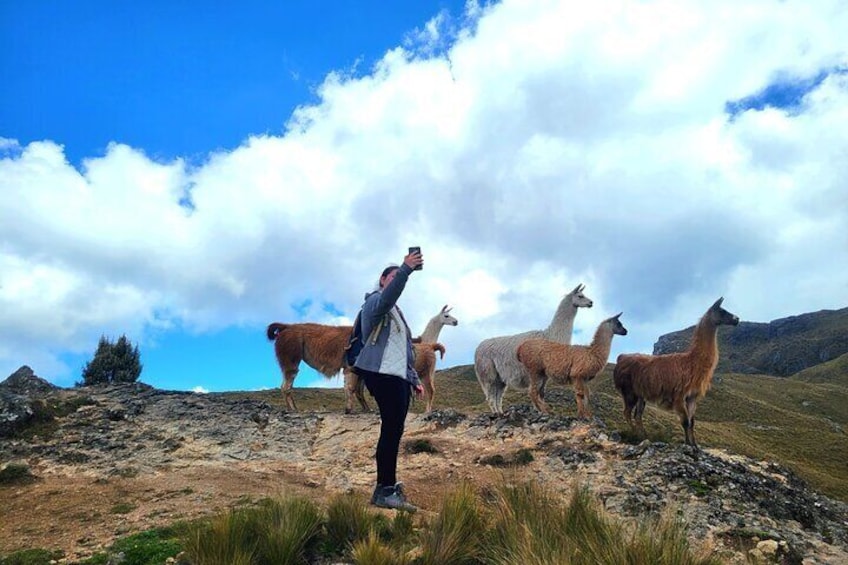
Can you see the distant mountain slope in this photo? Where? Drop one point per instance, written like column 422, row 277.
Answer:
column 781, row 347
column 833, row 372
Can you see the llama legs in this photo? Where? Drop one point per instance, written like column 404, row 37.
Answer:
column 633, row 403
column 429, row 391
column 681, row 408
column 537, row 384
column 353, row 387
column 689, row 424
column 288, row 383
column 491, row 383
column 581, row 391
column 640, row 409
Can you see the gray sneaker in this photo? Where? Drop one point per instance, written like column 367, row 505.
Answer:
column 377, row 490
column 393, row 497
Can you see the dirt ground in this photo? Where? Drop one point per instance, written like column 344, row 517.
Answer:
column 82, row 511
column 130, row 461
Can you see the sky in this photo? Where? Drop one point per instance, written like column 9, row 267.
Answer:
column 187, row 176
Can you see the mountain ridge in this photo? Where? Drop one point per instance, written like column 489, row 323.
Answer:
column 781, row 347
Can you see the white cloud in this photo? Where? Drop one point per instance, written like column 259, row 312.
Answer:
column 200, row 390
column 553, row 143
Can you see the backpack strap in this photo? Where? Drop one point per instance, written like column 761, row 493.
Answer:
column 375, row 332
column 355, row 332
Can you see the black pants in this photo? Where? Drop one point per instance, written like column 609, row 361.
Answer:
column 392, row 395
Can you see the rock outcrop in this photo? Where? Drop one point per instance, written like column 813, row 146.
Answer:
column 17, row 393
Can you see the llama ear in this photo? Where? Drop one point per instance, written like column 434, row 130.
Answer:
column 445, row 308
column 718, row 302
column 617, row 316
column 577, row 288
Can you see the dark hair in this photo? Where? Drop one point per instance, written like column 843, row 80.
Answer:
column 388, row 270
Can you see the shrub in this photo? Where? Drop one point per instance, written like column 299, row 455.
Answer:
column 15, row 473
column 420, row 446
column 117, row 362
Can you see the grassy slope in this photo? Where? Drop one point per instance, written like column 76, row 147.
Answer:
column 834, row 372
column 799, row 422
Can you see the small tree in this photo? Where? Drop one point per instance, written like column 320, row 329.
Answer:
column 117, row 362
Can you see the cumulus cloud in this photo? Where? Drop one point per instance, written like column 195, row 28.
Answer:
column 545, row 145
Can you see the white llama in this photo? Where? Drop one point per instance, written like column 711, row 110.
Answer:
column 495, row 359
column 435, row 325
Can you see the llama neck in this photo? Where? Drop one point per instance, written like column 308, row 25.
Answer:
column 562, row 325
column 431, row 332
column 704, row 348
column 602, row 342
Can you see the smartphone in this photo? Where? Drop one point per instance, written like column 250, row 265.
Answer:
column 416, row 250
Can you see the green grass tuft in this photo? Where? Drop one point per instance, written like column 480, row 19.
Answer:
column 453, row 538
column 349, row 520
column 282, row 531
column 374, row 551
column 15, row 473
column 123, row 508
column 532, row 525
column 151, row 547
column 229, row 538
column 32, row 557
column 420, row 446
column 699, row 487
column 288, row 528
column 523, row 457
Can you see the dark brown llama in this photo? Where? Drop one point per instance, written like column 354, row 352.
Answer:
column 676, row 381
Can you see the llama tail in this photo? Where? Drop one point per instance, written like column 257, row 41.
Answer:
column 274, row 329
column 621, row 373
column 520, row 353
column 440, row 348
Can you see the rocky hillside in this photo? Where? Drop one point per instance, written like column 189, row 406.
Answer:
column 781, row 347
column 106, row 461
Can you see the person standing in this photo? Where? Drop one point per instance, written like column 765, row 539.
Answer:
column 386, row 365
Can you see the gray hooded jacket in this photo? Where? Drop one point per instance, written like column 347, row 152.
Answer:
column 387, row 347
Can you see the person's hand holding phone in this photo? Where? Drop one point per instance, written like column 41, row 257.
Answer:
column 414, row 260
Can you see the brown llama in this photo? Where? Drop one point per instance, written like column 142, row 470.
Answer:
column 425, row 366
column 322, row 348
column 675, row 381
column 576, row 364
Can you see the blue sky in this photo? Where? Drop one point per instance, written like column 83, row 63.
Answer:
column 182, row 78
column 186, row 175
